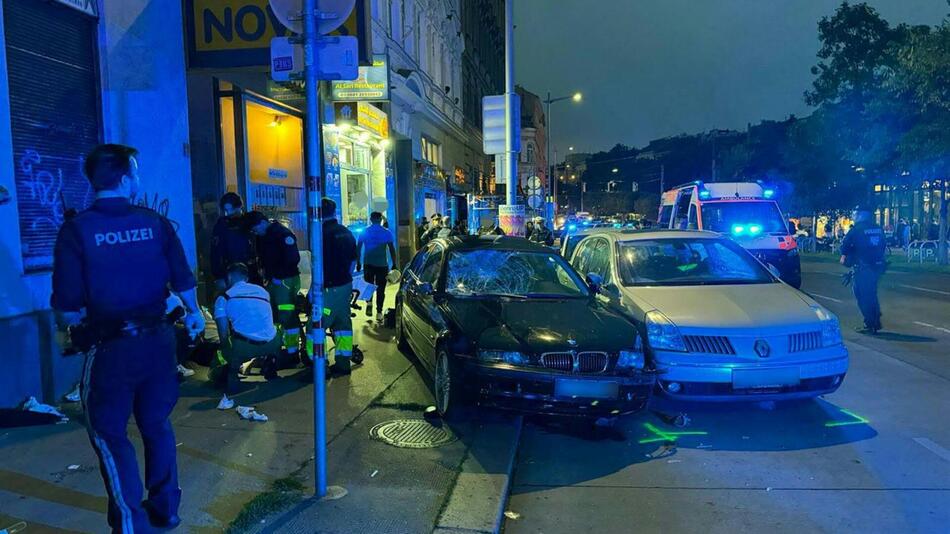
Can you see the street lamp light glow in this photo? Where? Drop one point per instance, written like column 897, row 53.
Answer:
column 570, row 148
column 577, row 97
column 615, row 170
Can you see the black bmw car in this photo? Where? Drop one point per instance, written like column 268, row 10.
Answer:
column 503, row 322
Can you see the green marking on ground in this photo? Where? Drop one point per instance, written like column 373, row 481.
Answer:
column 858, row 420
column 664, row 435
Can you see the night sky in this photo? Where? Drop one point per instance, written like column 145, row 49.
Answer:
column 653, row 68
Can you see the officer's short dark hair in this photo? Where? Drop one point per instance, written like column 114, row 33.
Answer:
column 231, row 198
column 328, row 207
column 253, row 218
column 376, row 216
column 107, row 164
column 239, row 269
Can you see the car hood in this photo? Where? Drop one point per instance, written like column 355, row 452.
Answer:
column 541, row 325
column 766, row 308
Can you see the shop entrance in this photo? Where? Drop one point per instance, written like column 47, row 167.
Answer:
column 262, row 156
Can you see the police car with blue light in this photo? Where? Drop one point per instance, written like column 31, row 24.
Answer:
column 746, row 211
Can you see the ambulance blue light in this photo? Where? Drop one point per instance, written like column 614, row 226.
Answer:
column 571, row 227
column 738, row 229
column 768, row 193
column 755, row 229
column 704, row 194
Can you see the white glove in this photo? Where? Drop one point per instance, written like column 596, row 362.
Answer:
column 195, row 323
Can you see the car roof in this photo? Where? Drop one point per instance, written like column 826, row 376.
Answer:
column 494, row 242
column 629, row 234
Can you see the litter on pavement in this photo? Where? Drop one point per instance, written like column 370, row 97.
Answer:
column 512, row 515
column 250, row 414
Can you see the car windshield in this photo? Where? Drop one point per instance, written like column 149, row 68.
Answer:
column 680, row 262
column 511, row 273
column 743, row 218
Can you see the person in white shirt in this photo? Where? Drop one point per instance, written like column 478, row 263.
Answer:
column 246, row 330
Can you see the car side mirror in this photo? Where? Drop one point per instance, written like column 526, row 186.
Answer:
column 595, row 281
column 424, row 288
column 610, row 290
column 774, row 270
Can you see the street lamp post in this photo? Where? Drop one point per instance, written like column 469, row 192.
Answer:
column 576, row 97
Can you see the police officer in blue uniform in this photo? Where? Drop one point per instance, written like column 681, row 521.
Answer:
column 232, row 242
column 863, row 250
column 114, row 265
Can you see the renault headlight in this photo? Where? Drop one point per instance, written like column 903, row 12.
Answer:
column 632, row 358
column 662, row 334
column 502, row 356
column 830, row 329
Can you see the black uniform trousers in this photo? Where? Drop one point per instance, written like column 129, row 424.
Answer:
column 134, row 375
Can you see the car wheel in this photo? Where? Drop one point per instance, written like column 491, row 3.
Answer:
column 401, row 342
column 451, row 399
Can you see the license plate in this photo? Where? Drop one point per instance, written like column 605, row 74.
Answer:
column 765, row 378
column 588, row 389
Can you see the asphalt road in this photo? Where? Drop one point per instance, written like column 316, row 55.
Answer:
column 872, row 457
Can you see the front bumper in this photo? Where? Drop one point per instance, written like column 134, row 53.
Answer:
column 819, row 374
column 533, row 391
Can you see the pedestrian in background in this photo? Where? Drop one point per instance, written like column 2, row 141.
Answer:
column 377, row 249
column 339, row 260
column 279, row 258
column 435, row 226
column 460, row 228
column 528, row 230
column 421, row 228
column 116, row 263
column 542, row 234
column 863, row 250
column 232, row 242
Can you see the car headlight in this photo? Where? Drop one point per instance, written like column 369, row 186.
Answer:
column 502, row 356
column 830, row 329
column 662, row 334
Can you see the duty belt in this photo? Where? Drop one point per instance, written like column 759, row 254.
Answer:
column 246, row 339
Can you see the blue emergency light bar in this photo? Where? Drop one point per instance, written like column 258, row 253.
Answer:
column 742, row 229
column 768, row 193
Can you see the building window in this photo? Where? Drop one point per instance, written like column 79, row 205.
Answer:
column 529, row 154
column 395, row 20
column 431, row 152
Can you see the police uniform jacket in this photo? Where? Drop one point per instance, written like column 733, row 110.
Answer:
column 230, row 243
column 118, row 261
column 864, row 245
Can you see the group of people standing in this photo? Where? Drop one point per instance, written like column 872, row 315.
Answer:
column 440, row 226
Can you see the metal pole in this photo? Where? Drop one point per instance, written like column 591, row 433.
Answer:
column 316, row 333
column 552, row 170
column 511, row 162
column 662, row 178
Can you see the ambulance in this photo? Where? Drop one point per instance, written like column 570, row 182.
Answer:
column 746, row 211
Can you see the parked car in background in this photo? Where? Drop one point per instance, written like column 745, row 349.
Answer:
column 503, row 322
column 718, row 325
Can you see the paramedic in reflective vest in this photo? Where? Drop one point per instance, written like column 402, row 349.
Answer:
column 339, row 260
column 279, row 259
column 113, row 267
column 863, row 249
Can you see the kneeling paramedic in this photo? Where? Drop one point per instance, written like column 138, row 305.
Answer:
column 339, row 260
column 117, row 262
column 246, row 329
column 279, row 257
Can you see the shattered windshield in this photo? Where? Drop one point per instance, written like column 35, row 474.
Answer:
column 510, row 273
column 679, row 262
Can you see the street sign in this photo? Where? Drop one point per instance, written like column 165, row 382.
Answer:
column 337, row 58
column 333, row 14
column 493, row 123
column 535, row 201
column 286, row 59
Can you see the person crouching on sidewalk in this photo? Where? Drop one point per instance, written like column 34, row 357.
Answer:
column 246, row 329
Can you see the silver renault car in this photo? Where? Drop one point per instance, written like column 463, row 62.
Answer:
column 719, row 325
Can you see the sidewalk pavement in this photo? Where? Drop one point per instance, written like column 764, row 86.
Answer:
column 229, row 467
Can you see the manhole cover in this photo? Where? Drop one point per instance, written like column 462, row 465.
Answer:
column 412, row 434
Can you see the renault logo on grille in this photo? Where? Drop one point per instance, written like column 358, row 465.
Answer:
column 762, row 348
